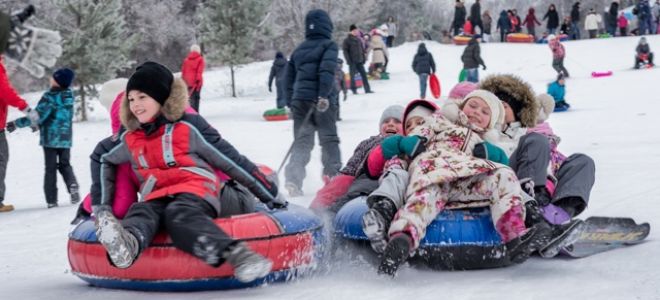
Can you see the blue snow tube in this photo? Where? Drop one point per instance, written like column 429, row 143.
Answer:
column 460, row 239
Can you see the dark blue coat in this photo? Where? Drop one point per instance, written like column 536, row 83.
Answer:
column 311, row 70
column 55, row 118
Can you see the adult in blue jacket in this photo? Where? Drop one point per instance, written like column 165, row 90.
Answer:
column 309, row 85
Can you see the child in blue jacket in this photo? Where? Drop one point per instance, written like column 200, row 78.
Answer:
column 55, row 122
column 557, row 90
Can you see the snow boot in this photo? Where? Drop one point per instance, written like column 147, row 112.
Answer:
column 52, row 205
column 396, row 253
column 294, row 190
column 75, row 194
column 6, row 207
column 562, row 236
column 376, row 222
column 121, row 245
column 248, row 265
column 519, row 249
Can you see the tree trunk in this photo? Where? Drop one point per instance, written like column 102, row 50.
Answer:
column 233, row 83
column 83, row 108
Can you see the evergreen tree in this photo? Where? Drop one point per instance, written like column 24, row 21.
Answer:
column 95, row 43
column 228, row 28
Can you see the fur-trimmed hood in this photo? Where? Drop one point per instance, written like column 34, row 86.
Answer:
column 173, row 108
column 511, row 88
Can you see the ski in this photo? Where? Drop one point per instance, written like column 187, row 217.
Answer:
column 600, row 234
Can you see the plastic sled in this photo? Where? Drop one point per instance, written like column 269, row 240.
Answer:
column 601, row 74
column 434, row 84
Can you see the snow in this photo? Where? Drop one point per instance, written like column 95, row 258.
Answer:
column 613, row 119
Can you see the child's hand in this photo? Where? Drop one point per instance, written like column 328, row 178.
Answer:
column 412, row 146
column 11, row 126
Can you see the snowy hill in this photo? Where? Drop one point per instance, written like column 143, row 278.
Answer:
column 614, row 120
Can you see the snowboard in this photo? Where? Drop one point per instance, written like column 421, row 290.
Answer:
column 600, row 234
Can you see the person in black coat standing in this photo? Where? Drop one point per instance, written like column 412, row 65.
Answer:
column 553, row 19
column 354, row 53
column 472, row 59
column 423, row 65
column 310, row 84
column 575, row 21
column 611, row 22
column 475, row 17
column 459, row 17
column 277, row 73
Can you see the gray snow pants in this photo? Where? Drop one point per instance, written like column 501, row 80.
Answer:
column 392, row 186
column 362, row 186
column 575, row 176
column 4, row 158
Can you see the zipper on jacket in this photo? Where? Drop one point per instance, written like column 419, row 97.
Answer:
column 168, row 152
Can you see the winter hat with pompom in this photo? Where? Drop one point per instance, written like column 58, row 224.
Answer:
column 547, row 106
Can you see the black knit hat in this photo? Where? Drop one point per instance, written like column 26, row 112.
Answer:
column 352, row 27
column 152, row 79
column 64, row 77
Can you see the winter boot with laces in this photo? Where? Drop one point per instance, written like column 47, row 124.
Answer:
column 396, row 253
column 562, row 236
column 121, row 245
column 519, row 249
column 248, row 265
column 75, row 194
column 376, row 222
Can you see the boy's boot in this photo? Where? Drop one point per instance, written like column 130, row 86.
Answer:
column 376, row 222
column 248, row 265
column 562, row 236
column 75, row 194
column 396, row 253
column 51, row 198
column 519, row 249
column 6, row 207
column 121, row 245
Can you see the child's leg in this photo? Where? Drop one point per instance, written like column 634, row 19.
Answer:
column 575, row 179
column 50, row 176
column 502, row 187
column 531, row 158
column 64, row 166
column 419, row 211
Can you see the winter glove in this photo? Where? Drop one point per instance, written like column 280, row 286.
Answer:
column 483, row 67
column 390, row 146
column 322, row 104
column 97, row 209
column 32, row 114
column 490, row 152
column 278, row 202
column 396, row 144
column 11, row 126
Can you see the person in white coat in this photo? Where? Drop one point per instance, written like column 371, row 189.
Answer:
column 591, row 23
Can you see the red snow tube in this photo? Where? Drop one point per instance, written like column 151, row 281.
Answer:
column 292, row 238
column 434, row 84
column 461, row 39
column 601, row 74
column 519, row 38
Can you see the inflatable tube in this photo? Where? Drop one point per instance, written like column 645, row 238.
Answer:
column 292, row 238
column 519, row 38
column 461, row 40
column 434, row 84
column 276, row 114
column 601, row 74
column 460, row 239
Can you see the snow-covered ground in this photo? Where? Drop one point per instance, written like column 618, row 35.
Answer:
column 613, row 119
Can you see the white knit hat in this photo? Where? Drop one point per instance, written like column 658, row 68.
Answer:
column 551, row 37
column 494, row 103
column 419, row 111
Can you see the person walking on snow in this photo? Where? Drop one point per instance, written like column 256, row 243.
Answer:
column 531, row 21
column 591, row 23
column 354, row 53
column 423, row 65
column 277, row 72
column 459, row 17
column 472, row 59
column 192, row 72
column 475, row 17
column 553, row 19
column 575, row 21
column 558, row 55
column 56, row 112
column 179, row 188
column 392, row 31
column 310, row 86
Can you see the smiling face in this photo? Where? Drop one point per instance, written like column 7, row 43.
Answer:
column 478, row 112
column 413, row 122
column 391, row 126
column 143, row 107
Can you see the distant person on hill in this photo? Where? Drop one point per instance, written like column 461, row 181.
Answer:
column 644, row 54
column 622, row 23
column 531, row 21
column 503, row 25
column 192, row 72
column 558, row 55
column 423, row 65
column 553, row 19
column 277, row 72
column 459, row 17
column 472, row 59
column 557, row 89
column 355, row 56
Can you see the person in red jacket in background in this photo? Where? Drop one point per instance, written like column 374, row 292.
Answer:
column 191, row 72
column 9, row 97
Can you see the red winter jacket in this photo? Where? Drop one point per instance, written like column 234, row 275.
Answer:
column 192, row 69
column 8, row 96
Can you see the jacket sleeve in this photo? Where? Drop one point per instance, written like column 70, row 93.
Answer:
column 7, row 94
column 432, row 63
column 271, row 75
column 347, row 52
column 222, row 155
column 289, row 79
column 414, row 63
column 327, row 68
column 375, row 162
column 108, row 153
column 45, row 108
column 199, row 79
column 477, row 55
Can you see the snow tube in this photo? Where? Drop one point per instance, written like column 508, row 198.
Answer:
column 519, row 38
column 292, row 238
column 460, row 239
column 461, row 39
column 601, row 74
column 276, row 114
column 434, row 84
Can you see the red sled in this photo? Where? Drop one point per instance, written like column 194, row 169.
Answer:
column 434, row 84
column 276, row 118
column 601, row 74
